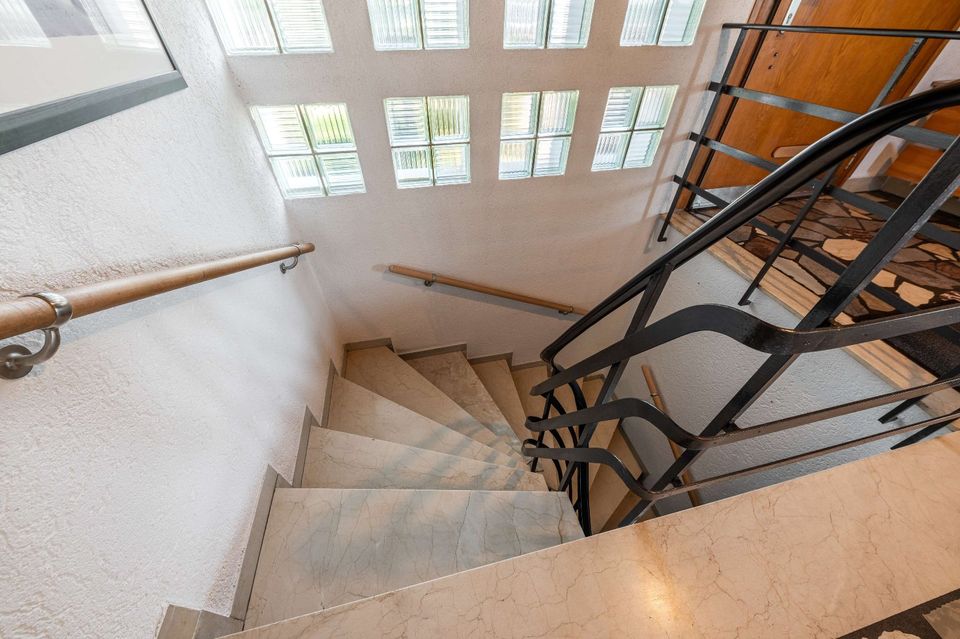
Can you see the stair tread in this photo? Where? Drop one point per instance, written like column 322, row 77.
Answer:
column 452, row 374
column 343, row 460
column 382, row 371
column 496, row 378
column 824, row 554
column 326, row 547
column 356, row 410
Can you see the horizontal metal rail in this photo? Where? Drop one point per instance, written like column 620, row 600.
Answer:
column 882, row 211
column 752, row 332
column 854, row 31
column 910, row 133
column 429, row 279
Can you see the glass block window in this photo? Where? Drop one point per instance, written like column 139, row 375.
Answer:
column 535, row 133
column 632, row 126
column 252, row 27
column 429, row 140
column 551, row 24
column 401, row 25
column 311, row 148
column 668, row 23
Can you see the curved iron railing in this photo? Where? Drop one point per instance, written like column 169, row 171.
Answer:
column 814, row 332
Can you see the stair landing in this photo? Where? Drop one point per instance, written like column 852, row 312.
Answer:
column 818, row 556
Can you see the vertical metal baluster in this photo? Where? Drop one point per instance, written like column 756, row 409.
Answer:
column 640, row 318
column 819, row 187
column 707, row 120
column 925, row 199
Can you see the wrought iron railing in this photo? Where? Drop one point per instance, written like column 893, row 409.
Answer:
column 814, row 332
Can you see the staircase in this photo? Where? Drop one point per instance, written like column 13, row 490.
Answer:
column 417, row 518
column 415, row 475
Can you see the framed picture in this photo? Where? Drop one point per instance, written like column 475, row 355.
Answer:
column 64, row 63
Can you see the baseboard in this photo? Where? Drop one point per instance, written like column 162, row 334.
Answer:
column 248, row 568
column 439, row 350
column 492, row 358
column 533, row 364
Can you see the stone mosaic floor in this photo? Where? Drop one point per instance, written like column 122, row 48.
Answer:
column 924, row 273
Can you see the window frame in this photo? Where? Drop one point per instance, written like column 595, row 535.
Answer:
column 536, row 136
column 276, row 157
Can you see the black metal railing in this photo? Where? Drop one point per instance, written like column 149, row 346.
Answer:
column 814, row 332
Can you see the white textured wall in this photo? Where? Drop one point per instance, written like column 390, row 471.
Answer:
column 569, row 238
column 130, row 464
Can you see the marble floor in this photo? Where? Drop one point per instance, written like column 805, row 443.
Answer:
column 925, row 273
column 819, row 556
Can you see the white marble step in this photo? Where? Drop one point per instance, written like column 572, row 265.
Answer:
column 354, row 409
column 496, row 378
column 452, row 373
column 385, row 373
column 327, row 547
column 822, row 555
column 343, row 460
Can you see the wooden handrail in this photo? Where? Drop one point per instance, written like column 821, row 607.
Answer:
column 25, row 314
column 430, row 278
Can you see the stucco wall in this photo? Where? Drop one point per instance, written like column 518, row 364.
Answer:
column 570, row 238
column 131, row 463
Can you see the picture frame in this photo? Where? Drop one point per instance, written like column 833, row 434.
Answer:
column 49, row 47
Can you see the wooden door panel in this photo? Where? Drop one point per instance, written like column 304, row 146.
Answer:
column 846, row 72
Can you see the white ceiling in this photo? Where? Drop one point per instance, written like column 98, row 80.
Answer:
column 571, row 238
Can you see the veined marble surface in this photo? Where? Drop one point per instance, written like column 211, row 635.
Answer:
column 344, row 460
column 452, row 374
column 326, row 547
column 354, row 409
column 817, row 556
column 496, row 378
column 383, row 372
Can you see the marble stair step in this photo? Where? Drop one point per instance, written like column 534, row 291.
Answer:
column 496, row 378
column 328, row 547
column 342, row 460
column 385, row 373
column 356, row 410
column 822, row 555
column 452, row 374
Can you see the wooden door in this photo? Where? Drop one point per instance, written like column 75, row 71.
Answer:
column 846, row 72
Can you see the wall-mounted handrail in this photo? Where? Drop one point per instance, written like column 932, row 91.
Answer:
column 35, row 312
column 429, row 279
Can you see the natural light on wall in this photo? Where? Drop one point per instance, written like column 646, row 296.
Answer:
column 661, row 22
column 263, row 27
column 554, row 24
column 535, row 130
column 632, row 127
column 400, row 25
column 429, row 140
column 311, row 148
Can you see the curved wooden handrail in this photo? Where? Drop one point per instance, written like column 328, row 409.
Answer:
column 431, row 278
column 25, row 314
